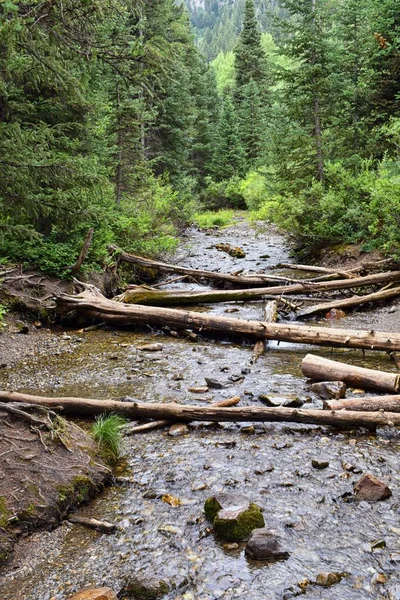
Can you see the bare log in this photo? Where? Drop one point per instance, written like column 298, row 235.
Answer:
column 381, row 403
column 323, row 369
column 153, row 425
column 185, row 413
column 91, row 523
column 349, row 302
column 176, row 298
column 347, row 274
column 168, row 268
column 122, row 314
column 84, row 252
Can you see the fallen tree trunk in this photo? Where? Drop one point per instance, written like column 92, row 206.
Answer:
column 349, row 302
column 153, row 425
column 141, row 261
column 347, row 274
column 176, row 298
column 382, row 403
column 323, row 369
column 185, row 413
column 122, row 314
column 91, row 523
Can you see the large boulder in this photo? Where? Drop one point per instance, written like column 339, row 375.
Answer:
column 94, row 593
column 329, row 389
column 233, row 516
column 265, row 545
column 371, row 489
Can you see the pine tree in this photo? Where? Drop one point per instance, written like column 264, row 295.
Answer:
column 230, row 159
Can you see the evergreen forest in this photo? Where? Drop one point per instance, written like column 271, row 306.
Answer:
column 129, row 116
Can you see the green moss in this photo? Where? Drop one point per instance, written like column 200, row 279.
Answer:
column 4, row 512
column 145, row 589
column 234, row 530
column 79, row 490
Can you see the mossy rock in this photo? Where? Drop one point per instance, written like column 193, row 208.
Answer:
column 140, row 587
column 233, row 516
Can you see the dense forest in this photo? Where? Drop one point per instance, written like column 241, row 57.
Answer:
column 111, row 117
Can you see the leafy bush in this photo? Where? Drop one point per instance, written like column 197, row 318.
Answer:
column 107, row 433
column 254, row 189
column 223, row 194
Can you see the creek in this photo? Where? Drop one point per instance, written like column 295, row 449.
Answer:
column 322, row 528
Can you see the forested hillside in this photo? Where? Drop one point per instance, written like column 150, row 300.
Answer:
column 111, row 118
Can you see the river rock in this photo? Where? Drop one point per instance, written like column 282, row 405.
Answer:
column 328, row 579
column 94, row 593
column 178, row 429
column 233, row 516
column 320, row 463
column 370, row 488
column 150, row 347
column 141, row 587
column 265, row 545
column 214, row 383
column 329, row 389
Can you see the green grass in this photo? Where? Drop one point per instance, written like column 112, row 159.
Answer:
column 107, row 433
column 208, row 219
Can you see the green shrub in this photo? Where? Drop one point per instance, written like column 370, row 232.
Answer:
column 223, row 194
column 207, row 219
column 107, row 433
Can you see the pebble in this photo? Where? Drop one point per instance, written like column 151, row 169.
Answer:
column 320, row 463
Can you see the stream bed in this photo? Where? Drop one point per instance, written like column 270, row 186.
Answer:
column 322, row 528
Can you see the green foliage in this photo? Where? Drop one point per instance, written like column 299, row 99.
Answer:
column 222, row 194
column 107, row 433
column 208, row 219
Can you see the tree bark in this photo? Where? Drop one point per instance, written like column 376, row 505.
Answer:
column 84, row 252
column 349, row 302
column 174, row 298
column 178, row 412
column 122, row 314
column 380, row 403
column 322, row 369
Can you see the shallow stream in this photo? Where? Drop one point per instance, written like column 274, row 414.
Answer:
column 271, row 464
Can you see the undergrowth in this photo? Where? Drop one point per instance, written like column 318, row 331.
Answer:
column 208, row 219
column 106, row 431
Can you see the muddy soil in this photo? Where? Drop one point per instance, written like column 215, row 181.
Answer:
column 322, row 527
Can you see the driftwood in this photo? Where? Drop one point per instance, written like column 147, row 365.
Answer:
column 347, row 274
column 258, row 279
column 349, row 302
column 323, row 369
column 84, row 252
column 91, row 523
column 175, row 298
column 185, row 413
column 382, row 403
column 122, row 314
column 153, row 425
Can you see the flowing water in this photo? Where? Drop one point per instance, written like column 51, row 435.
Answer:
column 321, row 527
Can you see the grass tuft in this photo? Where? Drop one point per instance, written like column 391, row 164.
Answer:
column 208, row 219
column 106, row 431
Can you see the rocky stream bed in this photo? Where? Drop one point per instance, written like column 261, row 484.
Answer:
column 321, row 526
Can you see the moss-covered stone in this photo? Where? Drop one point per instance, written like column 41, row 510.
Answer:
column 145, row 588
column 233, row 516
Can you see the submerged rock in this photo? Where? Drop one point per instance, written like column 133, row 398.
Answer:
column 328, row 579
column 265, row 545
column 178, row 429
column 320, row 463
column 92, row 593
column 370, row 488
column 233, row 516
column 141, row 587
column 329, row 389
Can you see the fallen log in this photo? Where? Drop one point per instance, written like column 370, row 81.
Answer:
column 323, row 369
column 349, row 302
column 141, row 261
column 153, row 425
column 347, row 274
column 176, row 298
column 381, row 403
column 91, row 523
column 185, row 413
column 122, row 314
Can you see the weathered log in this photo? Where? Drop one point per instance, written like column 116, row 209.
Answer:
column 381, row 403
column 123, row 314
column 347, row 274
column 349, row 302
column 84, row 252
column 141, row 261
column 91, row 523
column 153, row 425
column 185, row 413
column 176, row 298
column 323, row 369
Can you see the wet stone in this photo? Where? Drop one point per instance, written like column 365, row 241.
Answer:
column 370, row 488
column 266, row 400
column 265, row 545
column 150, row 347
column 141, row 587
column 293, row 403
column 178, row 429
column 320, row 463
column 92, row 593
column 329, row 389
column 328, row 579
column 233, row 516
column 214, row 384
